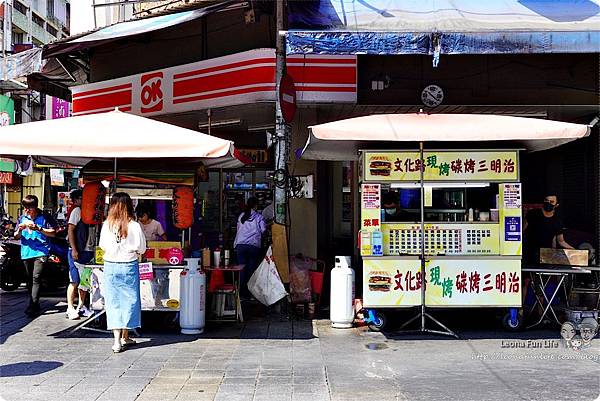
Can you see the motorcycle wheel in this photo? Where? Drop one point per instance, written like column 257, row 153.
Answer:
column 8, row 282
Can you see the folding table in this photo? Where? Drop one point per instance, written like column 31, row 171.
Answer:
column 541, row 276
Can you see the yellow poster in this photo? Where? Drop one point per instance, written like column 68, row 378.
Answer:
column 450, row 282
column 388, row 282
column 489, row 166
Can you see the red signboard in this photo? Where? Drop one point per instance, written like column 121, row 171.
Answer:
column 287, row 98
column 6, row 178
column 242, row 78
column 152, row 95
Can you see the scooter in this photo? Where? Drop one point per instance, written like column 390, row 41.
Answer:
column 55, row 274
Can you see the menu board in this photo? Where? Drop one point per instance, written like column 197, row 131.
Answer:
column 371, row 196
column 488, row 166
column 450, row 282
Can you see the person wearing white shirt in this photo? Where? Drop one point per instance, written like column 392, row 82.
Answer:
column 81, row 250
column 122, row 241
column 152, row 229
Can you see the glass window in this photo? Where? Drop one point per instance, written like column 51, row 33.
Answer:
column 208, row 201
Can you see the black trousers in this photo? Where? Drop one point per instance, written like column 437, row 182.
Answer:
column 34, row 267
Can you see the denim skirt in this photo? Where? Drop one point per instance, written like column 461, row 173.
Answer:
column 121, row 290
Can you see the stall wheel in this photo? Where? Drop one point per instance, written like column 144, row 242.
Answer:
column 512, row 320
column 377, row 320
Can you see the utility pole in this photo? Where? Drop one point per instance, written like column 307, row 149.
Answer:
column 281, row 131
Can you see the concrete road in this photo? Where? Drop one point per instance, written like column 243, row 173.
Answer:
column 268, row 359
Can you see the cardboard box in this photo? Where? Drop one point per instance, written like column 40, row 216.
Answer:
column 156, row 251
column 571, row 257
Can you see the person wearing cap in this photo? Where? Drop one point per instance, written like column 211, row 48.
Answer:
column 33, row 229
column 81, row 250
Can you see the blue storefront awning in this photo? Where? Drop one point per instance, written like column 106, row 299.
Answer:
column 444, row 26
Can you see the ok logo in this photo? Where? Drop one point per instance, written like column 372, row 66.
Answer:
column 151, row 95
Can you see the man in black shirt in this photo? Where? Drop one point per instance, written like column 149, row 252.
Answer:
column 392, row 211
column 544, row 229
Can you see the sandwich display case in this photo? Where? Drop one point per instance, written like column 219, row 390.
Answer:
column 457, row 212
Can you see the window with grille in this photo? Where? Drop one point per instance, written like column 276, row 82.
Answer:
column 18, row 37
column 37, row 20
column 51, row 30
column 50, row 9
column 20, row 7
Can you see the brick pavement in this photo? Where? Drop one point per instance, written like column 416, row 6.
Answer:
column 270, row 360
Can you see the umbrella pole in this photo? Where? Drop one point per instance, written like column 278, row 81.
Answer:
column 113, row 184
column 423, row 313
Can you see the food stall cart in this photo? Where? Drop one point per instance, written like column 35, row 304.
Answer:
column 461, row 263
column 162, row 262
column 78, row 140
column 471, row 204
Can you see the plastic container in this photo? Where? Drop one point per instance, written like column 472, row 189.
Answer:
column 206, row 257
column 342, row 294
column 192, row 296
column 494, row 215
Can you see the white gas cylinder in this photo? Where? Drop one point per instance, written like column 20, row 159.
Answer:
column 192, row 298
column 342, row 293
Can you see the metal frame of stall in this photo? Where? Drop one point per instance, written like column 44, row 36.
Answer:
column 515, row 216
column 98, row 313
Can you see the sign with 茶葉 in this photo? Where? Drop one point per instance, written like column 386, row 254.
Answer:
column 450, row 282
column 465, row 166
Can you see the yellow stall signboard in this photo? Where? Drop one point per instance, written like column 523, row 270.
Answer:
column 489, row 166
column 450, row 282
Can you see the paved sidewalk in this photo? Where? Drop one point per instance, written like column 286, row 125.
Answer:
column 266, row 359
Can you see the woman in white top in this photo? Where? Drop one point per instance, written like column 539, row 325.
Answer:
column 152, row 229
column 123, row 242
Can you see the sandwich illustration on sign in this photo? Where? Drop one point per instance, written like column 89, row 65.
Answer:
column 380, row 165
column 380, row 281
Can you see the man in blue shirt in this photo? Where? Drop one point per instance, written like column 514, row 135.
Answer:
column 33, row 229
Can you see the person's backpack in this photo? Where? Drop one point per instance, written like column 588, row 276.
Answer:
column 81, row 235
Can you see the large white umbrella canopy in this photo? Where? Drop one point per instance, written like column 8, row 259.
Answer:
column 77, row 140
column 341, row 140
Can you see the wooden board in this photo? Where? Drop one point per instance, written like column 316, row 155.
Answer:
column 572, row 257
column 280, row 251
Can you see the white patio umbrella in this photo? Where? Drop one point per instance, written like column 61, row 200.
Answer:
column 341, row 140
column 114, row 135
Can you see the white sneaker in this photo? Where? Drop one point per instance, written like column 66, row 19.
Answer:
column 72, row 314
column 85, row 312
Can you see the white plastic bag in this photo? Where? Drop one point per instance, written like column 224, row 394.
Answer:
column 265, row 284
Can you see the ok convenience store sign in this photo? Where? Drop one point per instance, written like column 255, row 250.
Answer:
column 242, row 78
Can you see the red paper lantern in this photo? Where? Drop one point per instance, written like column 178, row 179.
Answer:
column 183, row 207
column 92, row 203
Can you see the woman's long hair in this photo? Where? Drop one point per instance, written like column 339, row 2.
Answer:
column 251, row 204
column 120, row 213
